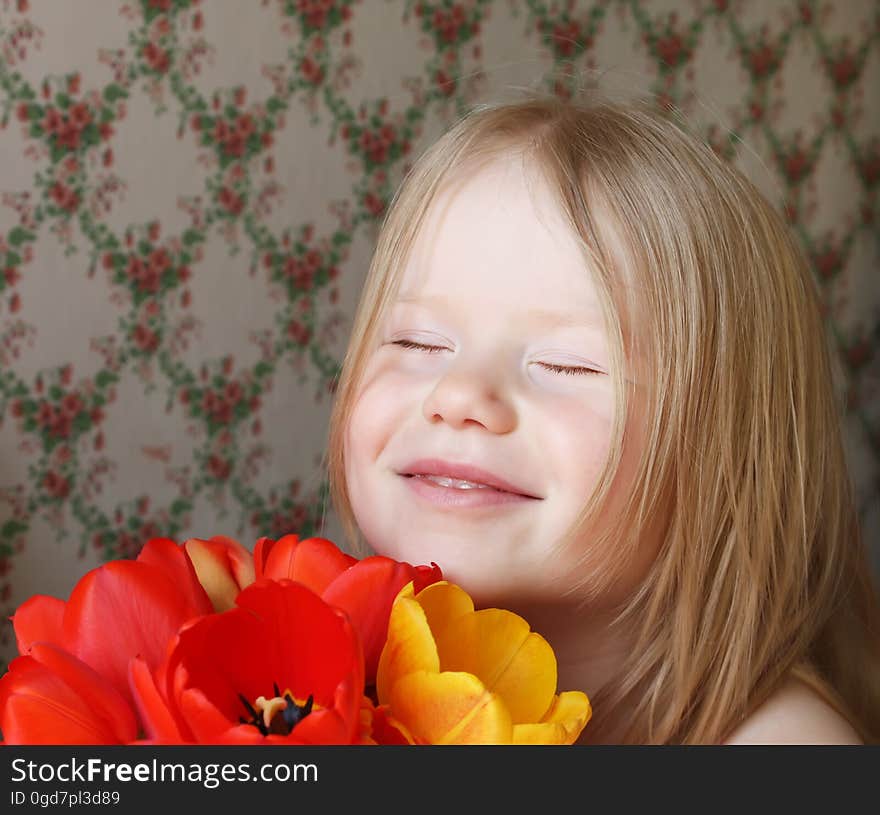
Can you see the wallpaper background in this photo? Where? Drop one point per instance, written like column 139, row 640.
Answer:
column 191, row 192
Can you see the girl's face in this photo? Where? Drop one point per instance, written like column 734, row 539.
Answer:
column 493, row 356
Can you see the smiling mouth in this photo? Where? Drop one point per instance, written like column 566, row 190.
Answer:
column 457, row 483
column 461, row 484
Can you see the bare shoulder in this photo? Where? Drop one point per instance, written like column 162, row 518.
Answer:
column 795, row 714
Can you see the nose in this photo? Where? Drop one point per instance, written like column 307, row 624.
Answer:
column 472, row 394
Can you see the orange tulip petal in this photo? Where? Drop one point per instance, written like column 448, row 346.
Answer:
column 38, row 619
column 562, row 724
column 449, row 708
column 410, row 644
column 498, row 647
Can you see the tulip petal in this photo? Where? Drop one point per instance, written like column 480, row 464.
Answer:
column 125, row 609
column 314, row 562
column 442, row 603
column 450, row 708
column 366, row 592
column 542, row 733
column 425, row 576
column 206, row 722
column 409, row 646
column 380, row 727
column 562, row 724
column 38, row 619
column 319, row 727
column 153, row 710
column 241, row 560
column 50, row 697
column 166, row 555
column 280, row 632
column 219, row 563
column 498, row 647
column 312, row 640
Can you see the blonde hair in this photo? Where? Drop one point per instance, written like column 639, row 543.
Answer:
column 761, row 573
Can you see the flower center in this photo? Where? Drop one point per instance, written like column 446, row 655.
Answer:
column 278, row 715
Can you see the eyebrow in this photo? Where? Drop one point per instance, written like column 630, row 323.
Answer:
column 536, row 315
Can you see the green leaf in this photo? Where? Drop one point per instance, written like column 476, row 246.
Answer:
column 114, row 92
column 262, row 368
column 90, row 136
column 180, row 506
column 105, row 378
column 12, row 527
column 62, row 100
column 192, row 236
column 18, row 236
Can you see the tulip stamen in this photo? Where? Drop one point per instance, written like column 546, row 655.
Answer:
column 255, row 716
column 278, row 715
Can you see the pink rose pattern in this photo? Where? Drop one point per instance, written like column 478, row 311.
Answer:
column 70, row 129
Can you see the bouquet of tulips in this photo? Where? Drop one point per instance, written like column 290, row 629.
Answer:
column 296, row 643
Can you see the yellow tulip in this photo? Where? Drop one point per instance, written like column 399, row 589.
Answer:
column 452, row 675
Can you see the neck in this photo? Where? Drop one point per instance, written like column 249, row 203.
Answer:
column 589, row 654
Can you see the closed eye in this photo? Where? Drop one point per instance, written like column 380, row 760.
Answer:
column 575, row 370
column 431, row 349
column 568, row 370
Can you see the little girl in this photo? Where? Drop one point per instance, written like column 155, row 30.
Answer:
column 589, row 378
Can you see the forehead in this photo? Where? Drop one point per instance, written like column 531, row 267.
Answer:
column 496, row 235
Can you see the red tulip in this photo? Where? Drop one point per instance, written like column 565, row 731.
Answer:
column 51, row 697
column 378, row 727
column 364, row 589
column 122, row 609
column 283, row 667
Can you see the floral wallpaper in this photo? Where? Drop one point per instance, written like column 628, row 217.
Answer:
column 191, row 192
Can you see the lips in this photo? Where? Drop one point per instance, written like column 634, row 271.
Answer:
column 465, row 472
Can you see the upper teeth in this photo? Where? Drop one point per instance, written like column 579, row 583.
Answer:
column 443, row 481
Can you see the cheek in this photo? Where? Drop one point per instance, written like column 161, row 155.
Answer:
column 364, row 426
column 578, row 439
column 372, row 422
